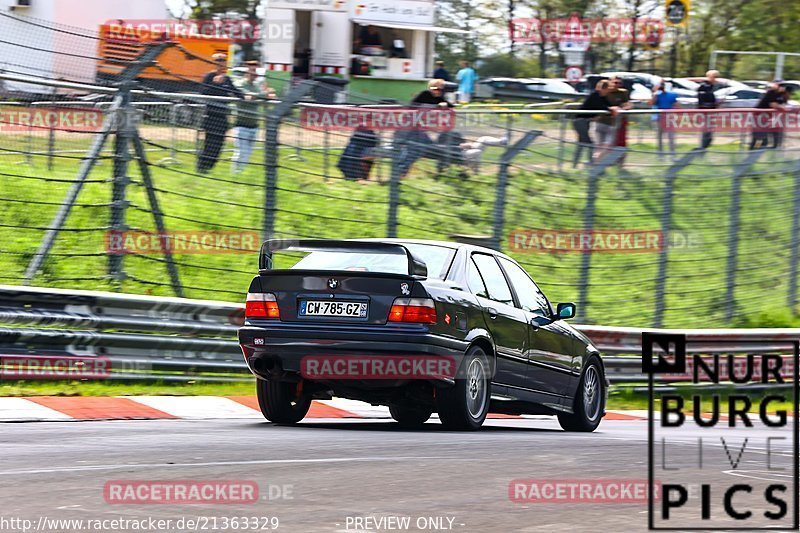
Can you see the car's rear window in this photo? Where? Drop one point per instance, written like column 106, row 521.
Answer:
column 436, row 258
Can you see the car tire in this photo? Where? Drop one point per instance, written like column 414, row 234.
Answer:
column 465, row 405
column 279, row 402
column 410, row 417
column 589, row 403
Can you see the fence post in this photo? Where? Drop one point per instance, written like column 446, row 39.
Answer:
column 502, row 184
column 125, row 131
column 51, row 146
column 325, row 149
column 271, row 146
column 733, row 231
column 595, row 171
column 562, row 127
column 399, row 148
column 795, row 236
column 87, row 163
column 666, row 217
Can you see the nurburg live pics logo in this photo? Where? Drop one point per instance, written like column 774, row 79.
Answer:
column 724, row 460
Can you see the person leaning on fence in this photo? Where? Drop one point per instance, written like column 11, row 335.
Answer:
column 664, row 100
column 618, row 96
column 248, row 112
column 774, row 99
column 604, row 123
column 215, row 122
column 415, row 142
column 706, row 99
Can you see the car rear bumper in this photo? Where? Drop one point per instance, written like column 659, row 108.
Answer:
column 275, row 351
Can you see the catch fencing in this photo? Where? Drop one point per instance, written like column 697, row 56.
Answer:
column 175, row 339
column 639, row 236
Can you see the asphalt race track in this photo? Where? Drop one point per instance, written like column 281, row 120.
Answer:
column 323, row 474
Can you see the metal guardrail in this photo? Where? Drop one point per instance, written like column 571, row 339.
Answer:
column 147, row 337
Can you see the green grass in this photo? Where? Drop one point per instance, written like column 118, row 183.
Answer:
column 433, row 205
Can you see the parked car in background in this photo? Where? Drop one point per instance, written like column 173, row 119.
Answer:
column 729, row 97
column 756, row 84
column 721, row 83
column 539, row 89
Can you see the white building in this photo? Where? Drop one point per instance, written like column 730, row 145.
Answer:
column 39, row 49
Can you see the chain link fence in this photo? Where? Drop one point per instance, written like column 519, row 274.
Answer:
column 117, row 188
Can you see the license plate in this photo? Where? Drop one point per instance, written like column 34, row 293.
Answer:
column 333, row 308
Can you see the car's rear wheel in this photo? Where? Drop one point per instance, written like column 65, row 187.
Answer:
column 410, row 417
column 465, row 405
column 589, row 402
column 281, row 402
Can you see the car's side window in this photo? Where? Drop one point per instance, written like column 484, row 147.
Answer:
column 496, row 285
column 530, row 297
column 474, row 280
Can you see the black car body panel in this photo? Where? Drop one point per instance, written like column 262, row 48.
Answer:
column 536, row 360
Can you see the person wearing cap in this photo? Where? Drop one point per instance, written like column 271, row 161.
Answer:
column 248, row 112
column 215, row 122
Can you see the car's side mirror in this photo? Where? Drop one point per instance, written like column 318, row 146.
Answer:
column 565, row 311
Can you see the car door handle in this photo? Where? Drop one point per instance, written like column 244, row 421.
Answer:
column 492, row 312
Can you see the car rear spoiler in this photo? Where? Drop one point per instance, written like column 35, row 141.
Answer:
column 416, row 266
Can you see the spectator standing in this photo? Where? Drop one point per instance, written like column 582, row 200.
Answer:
column 706, row 99
column 619, row 97
column 440, row 72
column 466, row 78
column 604, row 123
column 248, row 112
column 663, row 99
column 774, row 99
column 215, row 122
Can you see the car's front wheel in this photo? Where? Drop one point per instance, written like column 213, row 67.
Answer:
column 410, row 417
column 589, row 403
column 280, row 402
column 465, row 405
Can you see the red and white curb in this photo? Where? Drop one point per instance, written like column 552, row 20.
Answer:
column 60, row 409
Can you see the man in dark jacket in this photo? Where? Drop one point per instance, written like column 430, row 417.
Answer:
column 415, row 142
column 706, row 99
column 215, row 122
column 774, row 99
column 604, row 123
column 441, row 72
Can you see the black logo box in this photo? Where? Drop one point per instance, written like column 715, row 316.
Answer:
column 679, row 341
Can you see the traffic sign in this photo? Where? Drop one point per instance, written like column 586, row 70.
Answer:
column 677, row 12
column 573, row 73
column 575, row 38
column 653, row 40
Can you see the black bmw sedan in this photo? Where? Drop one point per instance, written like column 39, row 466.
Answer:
column 419, row 326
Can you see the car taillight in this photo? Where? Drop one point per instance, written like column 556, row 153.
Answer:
column 420, row 310
column 261, row 305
